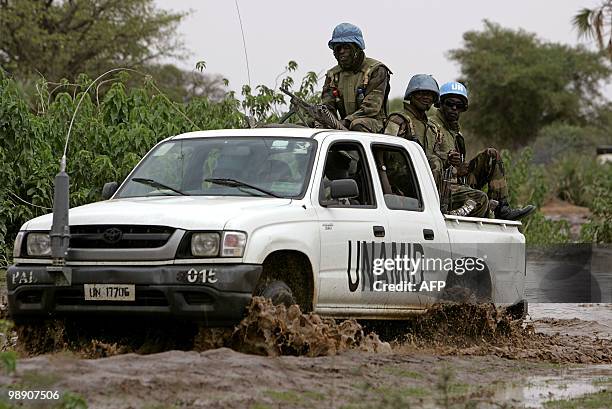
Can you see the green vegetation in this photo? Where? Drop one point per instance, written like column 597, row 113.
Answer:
column 122, row 119
column 8, row 359
column 518, row 84
column 595, row 23
column 110, row 135
column 293, row 396
column 599, row 400
column 543, row 101
column 403, row 373
column 283, row 396
column 603, row 381
column 60, row 39
column 35, row 379
column 72, row 401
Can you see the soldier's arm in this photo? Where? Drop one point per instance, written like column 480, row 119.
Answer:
column 396, row 126
column 327, row 96
column 374, row 95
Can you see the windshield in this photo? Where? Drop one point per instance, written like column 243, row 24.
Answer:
column 254, row 166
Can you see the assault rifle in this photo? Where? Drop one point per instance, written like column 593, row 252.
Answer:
column 319, row 112
column 445, row 190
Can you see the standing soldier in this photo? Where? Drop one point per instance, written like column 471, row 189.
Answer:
column 358, row 87
column 412, row 124
column 485, row 169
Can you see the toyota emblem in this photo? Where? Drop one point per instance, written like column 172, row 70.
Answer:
column 112, row 235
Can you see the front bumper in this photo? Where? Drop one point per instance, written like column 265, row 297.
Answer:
column 177, row 291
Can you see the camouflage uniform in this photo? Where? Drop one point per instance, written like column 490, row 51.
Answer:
column 360, row 95
column 413, row 125
column 486, row 168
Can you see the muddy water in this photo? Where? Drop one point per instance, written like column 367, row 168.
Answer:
column 570, row 383
column 593, row 320
column 572, row 319
column 569, row 290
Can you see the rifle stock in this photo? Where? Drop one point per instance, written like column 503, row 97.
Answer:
column 318, row 112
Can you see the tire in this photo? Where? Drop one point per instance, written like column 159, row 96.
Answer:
column 470, row 287
column 278, row 292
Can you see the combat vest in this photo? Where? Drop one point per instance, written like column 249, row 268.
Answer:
column 352, row 86
column 427, row 137
column 451, row 139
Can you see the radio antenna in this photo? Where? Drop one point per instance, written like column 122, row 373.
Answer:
column 246, row 56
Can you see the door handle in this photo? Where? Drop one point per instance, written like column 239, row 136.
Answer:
column 428, row 234
column 379, row 231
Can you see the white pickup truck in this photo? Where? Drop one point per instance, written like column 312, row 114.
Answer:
column 208, row 219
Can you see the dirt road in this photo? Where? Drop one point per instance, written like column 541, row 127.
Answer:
column 489, row 363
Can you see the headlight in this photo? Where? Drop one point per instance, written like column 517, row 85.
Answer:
column 233, row 244
column 38, row 244
column 205, row 244
column 18, row 244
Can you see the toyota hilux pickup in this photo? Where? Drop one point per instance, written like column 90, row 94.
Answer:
column 345, row 224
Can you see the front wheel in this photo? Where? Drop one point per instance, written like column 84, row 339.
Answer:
column 278, row 292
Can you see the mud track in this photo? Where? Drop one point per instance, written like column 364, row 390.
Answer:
column 451, row 356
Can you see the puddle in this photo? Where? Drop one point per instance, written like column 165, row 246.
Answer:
column 573, row 319
column 571, row 383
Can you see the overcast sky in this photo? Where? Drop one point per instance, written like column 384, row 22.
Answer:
column 410, row 37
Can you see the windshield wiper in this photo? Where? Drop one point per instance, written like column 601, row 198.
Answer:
column 237, row 183
column 157, row 184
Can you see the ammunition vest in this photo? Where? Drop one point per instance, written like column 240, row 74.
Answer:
column 425, row 134
column 451, row 139
column 352, row 86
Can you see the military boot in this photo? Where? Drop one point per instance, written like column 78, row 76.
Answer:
column 505, row 212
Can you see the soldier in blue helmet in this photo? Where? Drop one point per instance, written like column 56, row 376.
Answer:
column 485, row 169
column 413, row 124
column 357, row 89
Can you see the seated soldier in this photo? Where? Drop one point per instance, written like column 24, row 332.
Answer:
column 485, row 169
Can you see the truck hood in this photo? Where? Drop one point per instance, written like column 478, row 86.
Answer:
column 182, row 212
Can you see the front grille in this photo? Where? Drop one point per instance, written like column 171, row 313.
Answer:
column 196, row 298
column 118, row 236
column 76, row 296
column 30, row 297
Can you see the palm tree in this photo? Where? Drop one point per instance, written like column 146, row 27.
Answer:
column 596, row 23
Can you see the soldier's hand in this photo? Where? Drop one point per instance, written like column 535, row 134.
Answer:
column 454, row 158
column 463, row 169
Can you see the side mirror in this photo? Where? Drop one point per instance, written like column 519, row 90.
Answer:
column 344, row 189
column 109, row 190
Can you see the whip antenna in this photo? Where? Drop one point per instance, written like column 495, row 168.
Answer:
column 246, row 56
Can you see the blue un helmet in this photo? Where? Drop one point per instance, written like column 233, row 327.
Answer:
column 422, row 82
column 455, row 88
column 347, row 33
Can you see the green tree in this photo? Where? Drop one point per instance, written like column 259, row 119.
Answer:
column 596, row 23
column 60, row 39
column 519, row 83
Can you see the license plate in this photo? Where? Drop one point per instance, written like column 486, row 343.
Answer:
column 110, row 292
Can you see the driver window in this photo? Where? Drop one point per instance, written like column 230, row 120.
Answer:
column 397, row 178
column 346, row 160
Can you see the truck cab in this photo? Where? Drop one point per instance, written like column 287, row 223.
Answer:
column 345, row 224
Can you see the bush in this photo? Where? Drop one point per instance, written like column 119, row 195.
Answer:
column 556, row 140
column 526, row 181
column 574, row 178
column 108, row 137
column 599, row 229
column 538, row 230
